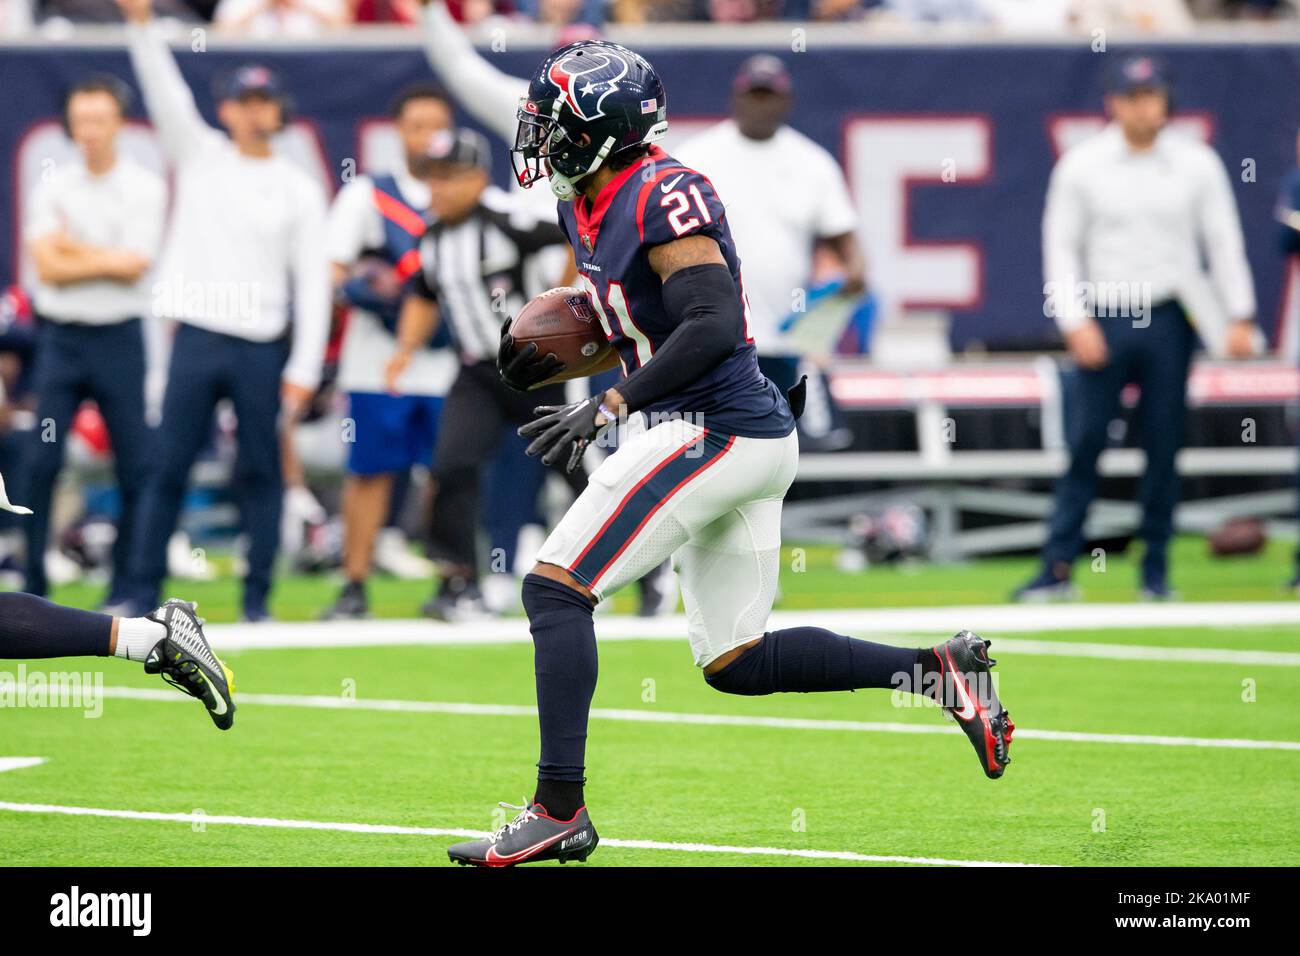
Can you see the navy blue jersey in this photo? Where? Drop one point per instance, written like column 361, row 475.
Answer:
column 646, row 206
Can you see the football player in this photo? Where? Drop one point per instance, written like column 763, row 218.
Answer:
column 703, row 483
column 169, row 641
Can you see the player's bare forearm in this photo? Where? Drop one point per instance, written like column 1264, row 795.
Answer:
column 674, row 256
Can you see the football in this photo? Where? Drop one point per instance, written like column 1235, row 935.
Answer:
column 562, row 321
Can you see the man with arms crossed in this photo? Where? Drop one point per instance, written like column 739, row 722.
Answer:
column 93, row 229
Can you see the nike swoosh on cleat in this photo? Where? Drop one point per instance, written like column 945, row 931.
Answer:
column 668, row 187
column 219, row 708
column 967, row 711
column 493, row 856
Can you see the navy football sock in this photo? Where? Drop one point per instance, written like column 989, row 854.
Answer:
column 32, row 627
column 564, row 653
column 807, row 659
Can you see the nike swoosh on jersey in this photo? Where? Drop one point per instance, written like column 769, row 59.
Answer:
column 668, row 187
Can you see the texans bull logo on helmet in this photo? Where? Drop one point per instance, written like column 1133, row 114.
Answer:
column 571, row 75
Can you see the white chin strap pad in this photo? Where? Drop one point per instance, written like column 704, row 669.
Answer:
column 562, row 186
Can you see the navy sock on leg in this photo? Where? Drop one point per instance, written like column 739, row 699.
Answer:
column 32, row 627
column 564, row 649
column 808, row 659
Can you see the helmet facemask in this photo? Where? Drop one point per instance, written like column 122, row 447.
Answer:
column 544, row 150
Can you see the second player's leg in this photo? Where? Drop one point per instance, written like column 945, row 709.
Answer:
column 729, row 570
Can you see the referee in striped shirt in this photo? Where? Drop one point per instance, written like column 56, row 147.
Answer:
column 477, row 266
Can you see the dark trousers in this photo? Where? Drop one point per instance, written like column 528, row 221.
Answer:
column 205, row 368
column 478, row 407
column 104, row 363
column 1157, row 358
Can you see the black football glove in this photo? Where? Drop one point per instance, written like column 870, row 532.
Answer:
column 563, row 430
column 524, row 370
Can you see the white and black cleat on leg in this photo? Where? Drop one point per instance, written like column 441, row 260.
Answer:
column 530, row 837
column 969, row 697
column 185, row 660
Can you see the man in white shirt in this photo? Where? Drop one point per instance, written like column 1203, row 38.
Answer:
column 786, row 197
column 247, row 238
column 1129, row 215
column 375, row 226
column 92, row 230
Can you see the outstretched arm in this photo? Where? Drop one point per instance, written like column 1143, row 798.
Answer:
column 489, row 94
column 167, row 96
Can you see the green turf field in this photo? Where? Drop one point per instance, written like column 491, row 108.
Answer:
column 309, row 756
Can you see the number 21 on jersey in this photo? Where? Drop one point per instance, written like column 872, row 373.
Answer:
column 616, row 302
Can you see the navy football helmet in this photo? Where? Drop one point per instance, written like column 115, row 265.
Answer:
column 588, row 101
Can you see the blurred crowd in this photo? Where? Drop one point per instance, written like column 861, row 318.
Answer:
column 305, row 18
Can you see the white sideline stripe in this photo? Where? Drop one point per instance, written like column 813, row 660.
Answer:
column 992, row 621
column 216, row 819
column 727, row 720
column 18, row 763
column 1140, row 652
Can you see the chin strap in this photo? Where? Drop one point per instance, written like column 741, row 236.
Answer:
column 562, row 186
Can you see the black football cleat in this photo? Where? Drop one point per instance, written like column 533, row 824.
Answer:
column 968, row 696
column 531, row 837
column 185, row 660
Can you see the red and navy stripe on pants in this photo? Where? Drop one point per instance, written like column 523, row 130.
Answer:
column 644, row 500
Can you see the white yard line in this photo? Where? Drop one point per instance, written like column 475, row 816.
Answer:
column 992, row 621
column 712, row 720
column 18, row 763
column 217, row 819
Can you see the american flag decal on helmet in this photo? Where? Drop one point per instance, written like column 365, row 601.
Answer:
column 649, row 106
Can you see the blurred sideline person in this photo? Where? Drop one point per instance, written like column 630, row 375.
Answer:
column 93, row 230
column 473, row 271
column 786, row 197
column 1131, row 209
column 490, row 95
column 246, row 240
column 375, row 225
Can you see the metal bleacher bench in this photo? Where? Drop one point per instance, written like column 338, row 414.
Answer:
column 948, row 482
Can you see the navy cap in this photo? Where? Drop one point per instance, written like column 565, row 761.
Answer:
column 762, row 72
column 461, row 146
column 1142, row 72
column 249, row 80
